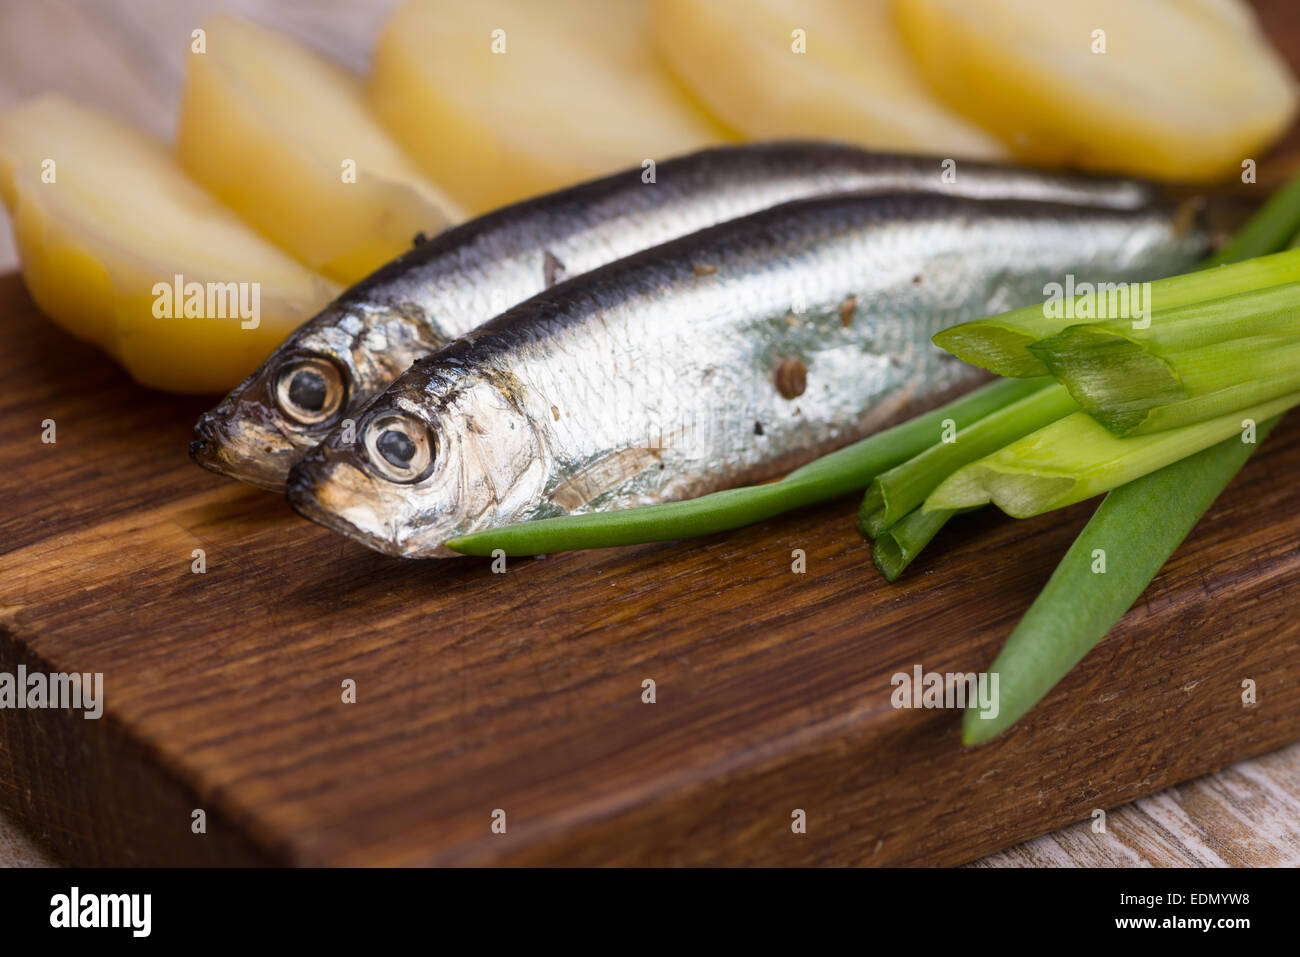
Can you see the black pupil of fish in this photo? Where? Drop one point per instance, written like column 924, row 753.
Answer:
column 397, row 448
column 307, row 390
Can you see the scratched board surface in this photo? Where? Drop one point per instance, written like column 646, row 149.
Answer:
column 523, row 692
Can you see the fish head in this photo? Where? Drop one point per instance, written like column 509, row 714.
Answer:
column 322, row 375
column 440, row 454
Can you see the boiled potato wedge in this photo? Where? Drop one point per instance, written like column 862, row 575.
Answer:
column 104, row 222
column 852, row 81
column 284, row 137
column 1176, row 89
column 574, row 91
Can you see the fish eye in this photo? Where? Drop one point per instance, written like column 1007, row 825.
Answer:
column 309, row 390
column 400, row 448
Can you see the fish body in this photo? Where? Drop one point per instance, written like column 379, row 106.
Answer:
column 449, row 284
column 720, row 359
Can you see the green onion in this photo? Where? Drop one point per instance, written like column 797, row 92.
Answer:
column 1076, row 458
column 1140, row 524
column 1133, row 391
column 1220, row 380
column 903, row 488
column 1133, row 532
column 1120, row 373
column 896, row 547
column 850, row 469
column 1001, row 343
column 1271, row 311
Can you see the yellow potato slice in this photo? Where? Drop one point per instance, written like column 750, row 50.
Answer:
column 575, row 93
column 284, row 137
column 853, row 81
column 1185, row 89
column 104, row 222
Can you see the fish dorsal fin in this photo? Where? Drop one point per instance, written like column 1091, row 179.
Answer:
column 553, row 270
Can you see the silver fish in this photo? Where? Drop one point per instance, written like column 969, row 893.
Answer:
column 444, row 287
column 716, row 360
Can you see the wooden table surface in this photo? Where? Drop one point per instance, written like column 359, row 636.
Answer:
column 125, row 55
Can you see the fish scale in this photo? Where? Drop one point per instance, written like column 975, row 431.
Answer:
column 454, row 281
column 653, row 343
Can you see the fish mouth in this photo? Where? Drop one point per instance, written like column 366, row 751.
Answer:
column 256, row 455
column 314, row 494
column 344, row 499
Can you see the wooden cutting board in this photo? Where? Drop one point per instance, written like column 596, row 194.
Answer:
column 523, row 692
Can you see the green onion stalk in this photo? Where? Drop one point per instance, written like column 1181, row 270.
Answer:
column 897, row 546
column 890, row 512
column 1188, row 365
column 895, row 493
column 1002, row 343
column 1076, row 458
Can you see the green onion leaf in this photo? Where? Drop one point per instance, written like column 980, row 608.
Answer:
column 1133, row 533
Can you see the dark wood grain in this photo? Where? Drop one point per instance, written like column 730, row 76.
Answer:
column 522, row 691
